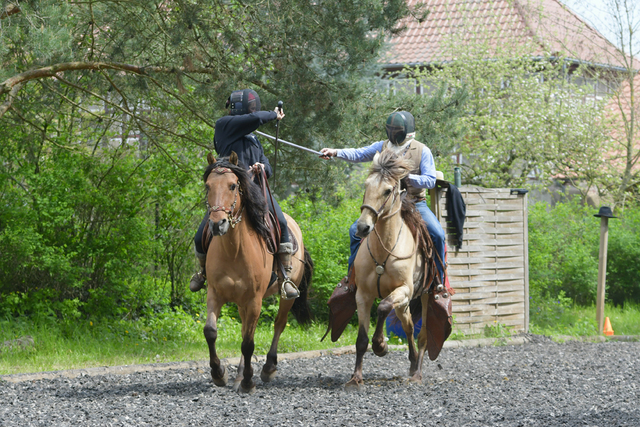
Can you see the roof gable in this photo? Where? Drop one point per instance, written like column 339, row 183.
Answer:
column 540, row 27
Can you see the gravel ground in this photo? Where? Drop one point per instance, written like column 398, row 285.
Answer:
column 539, row 383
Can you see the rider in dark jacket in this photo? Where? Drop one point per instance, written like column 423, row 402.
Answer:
column 233, row 133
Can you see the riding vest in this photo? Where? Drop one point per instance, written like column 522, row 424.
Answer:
column 413, row 155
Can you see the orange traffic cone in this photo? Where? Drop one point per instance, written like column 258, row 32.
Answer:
column 607, row 327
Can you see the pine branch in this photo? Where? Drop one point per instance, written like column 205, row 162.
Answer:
column 9, row 86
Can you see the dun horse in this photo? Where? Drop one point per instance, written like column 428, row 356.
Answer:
column 394, row 266
column 239, row 266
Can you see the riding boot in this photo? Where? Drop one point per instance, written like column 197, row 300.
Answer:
column 288, row 289
column 198, row 279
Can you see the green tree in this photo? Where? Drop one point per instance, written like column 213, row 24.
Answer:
column 620, row 21
column 523, row 119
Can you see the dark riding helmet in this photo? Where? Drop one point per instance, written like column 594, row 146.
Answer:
column 243, row 102
column 399, row 125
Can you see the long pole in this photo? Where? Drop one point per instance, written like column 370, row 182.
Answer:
column 275, row 157
column 602, row 272
column 291, row 144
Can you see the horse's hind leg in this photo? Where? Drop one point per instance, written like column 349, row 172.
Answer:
column 219, row 374
column 249, row 315
column 270, row 367
column 422, row 340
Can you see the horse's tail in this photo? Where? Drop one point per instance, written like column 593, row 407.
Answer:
column 301, row 309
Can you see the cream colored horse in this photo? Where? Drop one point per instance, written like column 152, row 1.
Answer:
column 387, row 265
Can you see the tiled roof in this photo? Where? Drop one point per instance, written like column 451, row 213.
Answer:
column 546, row 26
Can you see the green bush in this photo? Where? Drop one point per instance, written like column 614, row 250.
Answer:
column 623, row 257
column 325, row 230
column 563, row 252
column 564, row 244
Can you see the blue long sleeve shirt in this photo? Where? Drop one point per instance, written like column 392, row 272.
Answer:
column 426, row 179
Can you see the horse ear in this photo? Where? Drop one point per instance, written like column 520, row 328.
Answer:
column 233, row 158
column 210, row 158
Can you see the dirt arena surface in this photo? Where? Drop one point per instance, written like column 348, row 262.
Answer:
column 536, row 383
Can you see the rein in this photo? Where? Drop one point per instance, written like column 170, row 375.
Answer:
column 380, row 267
column 233, row 219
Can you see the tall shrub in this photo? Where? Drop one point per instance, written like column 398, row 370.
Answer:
column 563, row 252
column 623, row 263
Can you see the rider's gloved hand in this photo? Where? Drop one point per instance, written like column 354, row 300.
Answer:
column 328, row 153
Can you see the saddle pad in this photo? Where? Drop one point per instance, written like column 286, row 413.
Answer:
column 439, row 322
column 342, row 306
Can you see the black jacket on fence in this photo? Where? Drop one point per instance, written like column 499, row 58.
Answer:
column 456, row 210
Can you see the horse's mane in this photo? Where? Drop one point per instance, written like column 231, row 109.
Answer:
column 255, row 206
column 389, row 165
column 393, row 167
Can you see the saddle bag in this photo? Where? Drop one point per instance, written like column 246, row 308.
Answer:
column 342, row 305
column 439, row 320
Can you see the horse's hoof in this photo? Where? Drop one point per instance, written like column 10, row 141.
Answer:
column 222, row 381
column 381, row 352
column 267, row 376
column 415, row 379
column 236, row 384
column 240, row 388
column 354, row 385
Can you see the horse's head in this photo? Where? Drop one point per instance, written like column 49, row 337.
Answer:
column 382, row 190
column 232, row 196
column 224, row 193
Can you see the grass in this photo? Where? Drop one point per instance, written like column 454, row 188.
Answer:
column 89, row 344
column 173, row 337
column 581, row 321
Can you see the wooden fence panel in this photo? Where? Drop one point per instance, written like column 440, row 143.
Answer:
column 490, row 273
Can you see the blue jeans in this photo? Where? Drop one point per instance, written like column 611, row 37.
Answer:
column 433, row 225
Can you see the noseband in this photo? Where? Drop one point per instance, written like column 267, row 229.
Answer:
column 233, row 220
column 379, row 211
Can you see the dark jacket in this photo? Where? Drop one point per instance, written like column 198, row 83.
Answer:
column 456, row 214
column 233, row 133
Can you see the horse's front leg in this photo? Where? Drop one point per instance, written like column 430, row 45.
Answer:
column 362, row 342
column 249, row 315
column 399, row 298
column 270, row 368
column 218, row 372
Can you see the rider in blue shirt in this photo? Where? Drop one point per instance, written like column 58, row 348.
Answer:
column 401, row 133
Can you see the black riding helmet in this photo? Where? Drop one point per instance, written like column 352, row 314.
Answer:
column 399, row 125
column 243, row 102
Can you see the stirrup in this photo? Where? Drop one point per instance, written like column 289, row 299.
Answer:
column 291, row 293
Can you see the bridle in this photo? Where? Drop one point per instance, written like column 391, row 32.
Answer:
column 396, row 191
column 233, row 219
column 380, row 267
